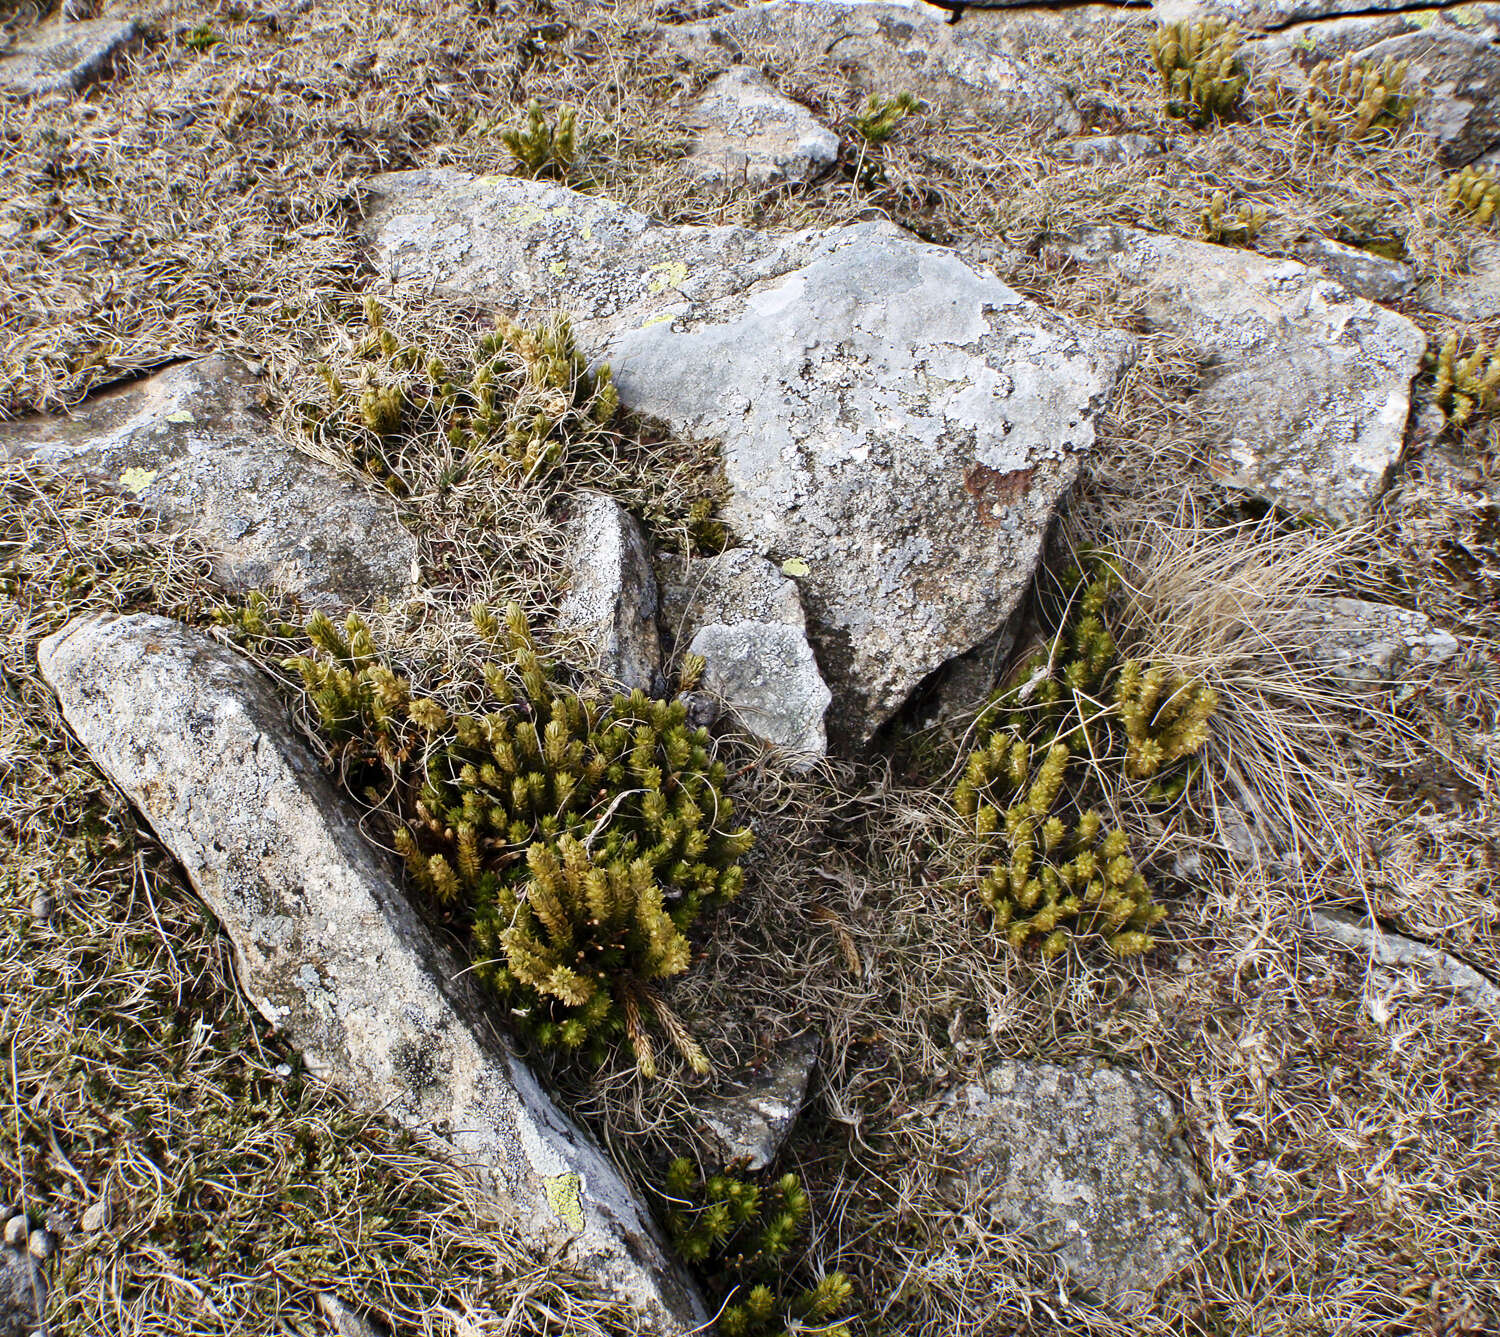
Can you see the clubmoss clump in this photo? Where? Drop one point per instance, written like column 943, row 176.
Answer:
column 1464, row 386
column 881, row 116
column 527, row 401
column 739, row 1234
column 1349, row 99
column 1233, row 229
column 1200, row 68
column 1076, row 710
column 577, row 839
column 541, row 146
column 1475, row 190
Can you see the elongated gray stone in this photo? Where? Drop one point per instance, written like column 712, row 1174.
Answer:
column 895, row 423
column 194, row 445
column 1389, row 955
column 326, row 944
column 63, row 56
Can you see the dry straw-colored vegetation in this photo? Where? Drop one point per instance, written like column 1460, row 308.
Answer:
column 207, row 197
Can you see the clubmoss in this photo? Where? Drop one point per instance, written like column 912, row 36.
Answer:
column 881, row 116
column 1475, row 190
column 1232, row 229
column 540, row 146
column 739, row 1234
column 1200, row 69
column 1468, row 384
column 577, row 839
column 1350, row 99
column 1050, row 868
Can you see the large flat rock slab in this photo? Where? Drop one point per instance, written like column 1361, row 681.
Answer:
column 1085, row 1163
column 896, row 423
column 194, row 445
column 327, row 946
column 63, row 57
column 1306, row 386
column 887, row 47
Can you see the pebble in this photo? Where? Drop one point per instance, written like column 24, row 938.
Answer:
column 41, row 907
column 16, row 1231
column 96, row 1216
column 41, row 1245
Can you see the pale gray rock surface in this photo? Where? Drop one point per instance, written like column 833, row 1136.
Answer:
column 1370, row 275
column 748, row 1122
column 886, row 47
column 326, row 944
column 62, row 56
column 897, row 420
column 194, row 445
column 748, row 133
column 347, row 1321
column 1101, row 150
column 1365, row 642
column 1086, row 1164
column 1471, row 295
column 745, row 618
column 611, row 599
column 1391, row 956
column 1308, row 385
column 1270, row 13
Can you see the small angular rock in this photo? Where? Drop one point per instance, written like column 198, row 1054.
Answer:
column 95, row 1217
column 748, row 132
column 611, row 599
column 1307, row 387
column 1086, row 1164
column 41, row 1245
column 749, row 1122
column 1472, row 294
column 17, row 1231
column 63, row 57
column 1370, row 275
column 1365, row 642
column 328, row 948
column 194, row 445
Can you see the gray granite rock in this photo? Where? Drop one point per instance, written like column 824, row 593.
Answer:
column 346, row 1320
column 895, row 421
column 750, row 1116
column 328, row 948
column 1086, row 1164
column 1370, row 275
column 745, row 618
column 62, row 56
column 1307, row 385
column 890, row 46
column 748, row 133
column 1365, row 643
column 1390, row 956
column 611, row 598
column 194, row 445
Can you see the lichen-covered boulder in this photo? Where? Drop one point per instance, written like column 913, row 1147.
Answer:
column 328, row 947
column 890, row 46
column 1084, row 1162
column 193, row 444
column 63, row 57
column 747, row 133
column 611, row 600
column 1306, row 386
column 897, row 423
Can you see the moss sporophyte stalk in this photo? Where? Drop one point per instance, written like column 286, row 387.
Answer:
column 1049, row 865
column 577, row 838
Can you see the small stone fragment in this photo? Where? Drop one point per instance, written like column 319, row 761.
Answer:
column 194, row 445
column 41, row 907
column 1364, row 642
column 63, row 57
column 95, row 1217
column 1099, row 149
column 41, row 1245
column 1471, row 295
column 1370, row 275
column 611, row 600
column 1389, row 955
column 348, row 1322
column 17, row 1231
column 748, row 132
column 749, row 1123
column 1085, row 1163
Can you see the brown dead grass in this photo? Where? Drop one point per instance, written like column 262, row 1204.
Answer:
column 1345, row 1129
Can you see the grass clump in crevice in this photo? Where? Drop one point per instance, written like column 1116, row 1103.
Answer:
column 881, row 117
column 1051, row 868
column 1201, row 74
column 739, row 1234
column 1350, row 99
column 545, row 146
column 577, row 839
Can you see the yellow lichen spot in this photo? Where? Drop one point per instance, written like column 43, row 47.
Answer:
column 1466, row 16
column 1423, row 18
column 558, row 210
column 657, row 320
column 182, row 415
column 587, row 232
column 527, row 214
column 490, row 180
column 795, row 566
column 564, row 1199
column 135, row 481
column 669, row 274
column 559, row 267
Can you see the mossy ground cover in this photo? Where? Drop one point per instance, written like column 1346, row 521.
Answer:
column 207, row 198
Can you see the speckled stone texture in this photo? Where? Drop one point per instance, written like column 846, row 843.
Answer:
column 1307, row 385
column 1085, row 1163
column 194, row 445
column 896, row 421
column 886, row 47
column 327, row 946
column 750, row 1117
column 748, row 132
column 63, row 57
column 1364, row 642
